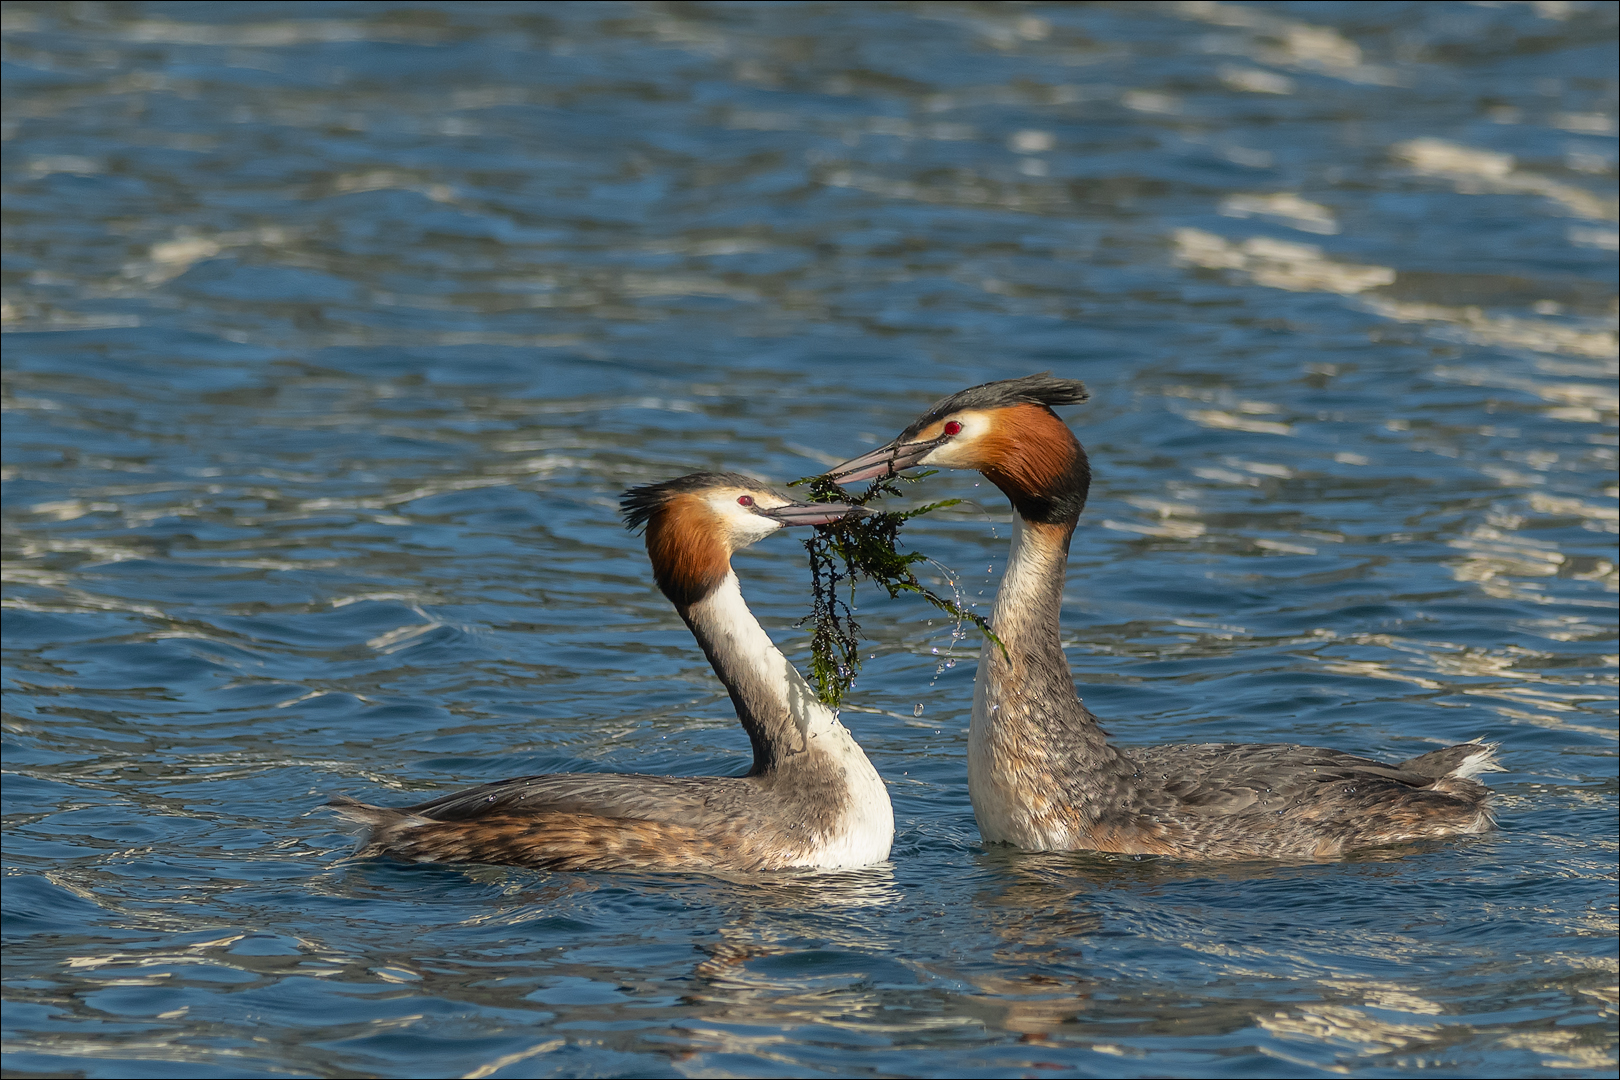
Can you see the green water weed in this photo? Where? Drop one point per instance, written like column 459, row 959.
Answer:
column 856, row 550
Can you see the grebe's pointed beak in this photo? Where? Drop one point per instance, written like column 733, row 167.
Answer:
column 813, row 513
column 884, row 461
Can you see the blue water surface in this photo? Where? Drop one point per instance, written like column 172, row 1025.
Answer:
column 333, row 332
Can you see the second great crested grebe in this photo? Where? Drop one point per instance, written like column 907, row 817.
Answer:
column 812, row 799
column 1042, row 774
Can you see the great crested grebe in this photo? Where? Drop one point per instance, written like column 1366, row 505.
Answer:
column 812, row 799
column 1041, row 773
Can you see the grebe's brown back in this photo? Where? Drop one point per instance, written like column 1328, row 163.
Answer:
column 1041, row 772
column 812, row 799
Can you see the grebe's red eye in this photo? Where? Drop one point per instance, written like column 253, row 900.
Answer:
column 953, row 428
column 745, row 500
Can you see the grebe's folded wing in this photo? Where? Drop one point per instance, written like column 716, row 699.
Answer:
column 1229, row 778
column 606, row 795
column 571, row 822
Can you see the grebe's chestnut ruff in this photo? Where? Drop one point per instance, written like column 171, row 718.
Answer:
column 1041, row 772
column 812, row 799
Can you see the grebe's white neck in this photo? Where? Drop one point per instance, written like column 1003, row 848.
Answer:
column 798, row 741
column 1031, row 592
column 777, row 707
column 1029, row 729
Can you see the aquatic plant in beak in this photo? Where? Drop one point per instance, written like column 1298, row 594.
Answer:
column 855, row 550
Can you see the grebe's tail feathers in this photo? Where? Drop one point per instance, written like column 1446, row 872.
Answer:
column 1462, row 762
column 1455, row 772
column 379, row 825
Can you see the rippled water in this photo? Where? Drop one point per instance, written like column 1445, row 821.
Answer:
column 334, row 331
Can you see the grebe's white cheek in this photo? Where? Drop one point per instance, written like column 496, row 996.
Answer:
column 951, row 455
column 749, row 528
column 958, row 451
column 741, row 524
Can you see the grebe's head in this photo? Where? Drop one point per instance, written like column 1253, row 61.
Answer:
column 1005, row 430
column 694, row 523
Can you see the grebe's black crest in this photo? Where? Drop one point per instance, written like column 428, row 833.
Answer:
column 638, row 504
column 1043, row 389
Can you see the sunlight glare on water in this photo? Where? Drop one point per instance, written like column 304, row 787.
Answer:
column 333, row 332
